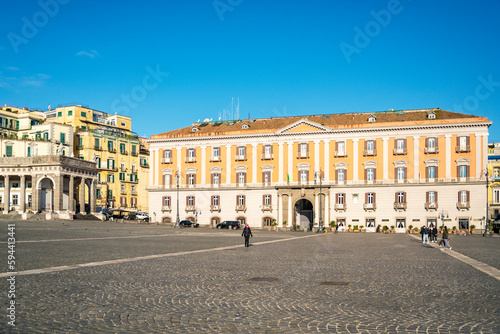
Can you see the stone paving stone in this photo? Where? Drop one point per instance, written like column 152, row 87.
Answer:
column 397, row 285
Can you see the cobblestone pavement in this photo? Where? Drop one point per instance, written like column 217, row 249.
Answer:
column 396, row 284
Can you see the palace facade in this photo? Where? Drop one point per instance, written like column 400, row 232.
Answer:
column 394, row 168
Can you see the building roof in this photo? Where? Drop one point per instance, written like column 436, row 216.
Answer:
column 327, row 121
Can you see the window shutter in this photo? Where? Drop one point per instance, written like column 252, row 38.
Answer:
column 194, row 179
column 366, row 173
column 187, row 200
column 298, row 178
column 405, row 170
column 271, row 148
column 336, row 175
column 365, row 145
column 459, row 199
column 307, row 175
column 194, row 203
column 307, row 152
column 374, row 174
column 345, row 175
column 337, row 198
column 396, row 197
column 404, row 143
column 467, row 142
column 245, row 178
column 467, row 170
column 374, row 198
column 298, row 149
column 163, row 200
column 427, row 197
column 395, row 143
column 336, row 146
column 263, row 199
column 436, row 196
column 366, row 197
column 212, row 200
column 458, row 141
column 458, row 171
column 211, row 178
column 404, row 196
column 468, row 196
column 395, row 173
column 437, row 143
column 374, row 145
column 187, row 152
column 244, row 200
column 270, row 199
column 426, row 142
column 263, row 177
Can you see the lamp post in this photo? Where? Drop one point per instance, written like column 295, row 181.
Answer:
column 177, row 178
column 196, row 212
column 443, row 215
column 320, row 204
column 486, row 220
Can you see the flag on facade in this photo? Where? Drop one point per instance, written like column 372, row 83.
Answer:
column 287, row 178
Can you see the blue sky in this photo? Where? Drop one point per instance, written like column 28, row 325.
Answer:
column 167, row 64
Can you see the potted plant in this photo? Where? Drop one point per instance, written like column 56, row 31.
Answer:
column 356, row 228
column 298, row 227
column 415, row 230
column 332, row 225
column 384, row 229
column 454, row 230
column 350, row 230
column 472, row 228
column 410, row 229
column 275, row 225
column 392, row 228
column 361, row 228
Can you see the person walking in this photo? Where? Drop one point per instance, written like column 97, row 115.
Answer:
column 445, row 239
column 422, row 229
column 434, row 233
column 247, row 233
column 425, row 235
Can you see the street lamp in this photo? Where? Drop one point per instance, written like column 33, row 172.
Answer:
column 320, row 174
column 486, row 220
column 443, row 215
column 196, row 212
column 178, row 179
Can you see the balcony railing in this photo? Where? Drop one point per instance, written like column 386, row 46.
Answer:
column 402, row 151
column 241, row 208
column 166, row 208
column 463, row 148
column 463, row 205
column 215, row 158
column 340, row 154
column 97, row 148
column 267, row 207
column 214, row 208
column 190, row 159
column 134, row 192
column 166, row 160
column 267, row 156
column 190, row 208
column 369, row 206
column 111, row 150
column 399, row 206
column 303, row 156
column 124, row 152
column 339, row 206
column 431, row 206
column 134, row 153
column 240, row 157
column 369, row 153
column 428, row 150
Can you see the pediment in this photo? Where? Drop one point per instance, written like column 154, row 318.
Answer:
column 304, row 125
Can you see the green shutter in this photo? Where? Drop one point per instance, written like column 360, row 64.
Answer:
column 63, row 138
column 9, row 151
column 70, row 112
column 29, row 151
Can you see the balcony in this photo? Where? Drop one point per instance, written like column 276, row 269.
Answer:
column 340, row 206
column 190, row 159
column 144, row 164
column 367, row 153
column 215, row 159
column 134, row 153
column 340, row 154
column 190, row 208
column 399, row 206
column 240, row 157
column 267, row 207
column 133, row 206
column 428, row 150
column 124, row 152
column 134, row 192
column 79, row 147
column 241, row 208
column 166, row 208
column 462, row 149
column 303, row 155
column 431, row 206
column 166, row 160
column 111, row 150
column 123, row 192
column 369, row 206
column 463, row 205
column 123, row 205
column 400, row 151
column 97, row 148
column 214, row 208
column 267, row 156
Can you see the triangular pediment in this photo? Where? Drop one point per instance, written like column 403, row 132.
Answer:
column 303, row 125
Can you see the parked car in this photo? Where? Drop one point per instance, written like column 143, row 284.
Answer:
column 234, row 224
column 142, row 216
column 188, row 223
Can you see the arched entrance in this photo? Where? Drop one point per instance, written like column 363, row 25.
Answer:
column 304, row 213
column 46, row 194
column 214, row 221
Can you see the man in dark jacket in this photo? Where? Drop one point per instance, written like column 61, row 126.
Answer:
column 247, row 233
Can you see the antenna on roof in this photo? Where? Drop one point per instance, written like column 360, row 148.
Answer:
column 238, row 110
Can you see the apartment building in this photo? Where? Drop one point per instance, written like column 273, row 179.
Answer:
column 392, row 168
column 494, row 181
column 109, row 141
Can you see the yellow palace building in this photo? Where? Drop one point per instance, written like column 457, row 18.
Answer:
column 393, row 168
column 109, row 141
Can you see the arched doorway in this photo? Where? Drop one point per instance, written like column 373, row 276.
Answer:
column 214, row 221
column 304, row 212
column 46, row 194
column 242, row 221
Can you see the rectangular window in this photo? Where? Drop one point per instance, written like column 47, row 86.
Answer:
column 8, row 151
column 241, row 178
column 63, row 138
column 431, row 143
column 432, row 196
column 190, row 201
column 166, row 201
column 215, row 200
column 369, row 174
column 83, row 114
column 370, row 198
column 400, row 144
column 341, row 175
column 191, row 153
column 168, row 154
column 96, row 143
column 70, row 112
column 15, row 199
column 370, row 222
column 216, row 152
column 303, row 176
column 341, row 148
column 303, row 150
column 122, row 148
column 463, row 171
column 267, row 199
column 111, row 146
column 191, row 179
column 216, row 178
column 134, row 168
column 369, row 145
column 59, row 113
column 29, row 152
column 45, row 136
column 496, row 196
column 401, row 197
column 241, row 199
column 463, row 196
column 341, row 198
column 401, row 173
column 134, row 150
column 432, row 172
column 122, row 176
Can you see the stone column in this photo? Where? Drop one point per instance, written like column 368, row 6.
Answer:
column 254, row 164
column 58, row 193
column 385, row 158
column 82, row 195
column 35, row 195
column 92, row 197
column 280, row 163
column 416, row 157
column 6, row 194
column 228, row 164
column 22, row 200
column 316, row 209
column 203, row 166
column 355, row 154
column 290, row 213
column 326, row 217
column 278, row 210
column 71, row 204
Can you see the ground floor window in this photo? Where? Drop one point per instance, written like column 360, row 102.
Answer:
column 15, row 199
column 341, row 222
column 431, row 222
column 267, row 221
column 370, row 222
column 214, row 221
column 400, row 223
column 242, row 220
column 463, row 223
column 166, row 220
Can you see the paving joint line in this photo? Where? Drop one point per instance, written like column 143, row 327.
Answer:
column 485, row 268
column 140, row 258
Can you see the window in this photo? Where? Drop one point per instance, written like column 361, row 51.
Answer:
column 166, row 201
column 168, row 154
column 341, row 175
column 432, row 197
column 167, row 179
column 496, row 196
column 463, row 171
column 134, row 150
column 215, row 200
column 303, row 150
column 111, row 178
column 241, row 200
column 191, row 153
column 340, row 148
column 122, row 166
column 370, row 198
column 190, row 200
column 122, row 188
column 400, row 144
column 96, row 144
column 303, row 176
column 401, row 173
column 267, row 200
column 111, row 164
column 28, row 154
column 431, row 143
column 370, row 175
column 341, row 198
column 8, row 150
column 400, row 197
column 111, row 146
column 241, row 150
column 370, row 222
column 80, row 142
column 45, row 136
column 70, row 112
column 266, row 177
column 122, row 148
column 268, row 152
column 122, row 176
column 83, row 114
column 63, row 138
column 191, row 179
column 123, row 124
column 432, row 172
column 463, row 196
column 15, row 199
column 216, row 151
column 215, row 178
column 241, row 178
column 400, row 223
column 59, row 113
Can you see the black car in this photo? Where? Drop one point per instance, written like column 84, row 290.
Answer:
column 234, row 224
column 188, row 223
